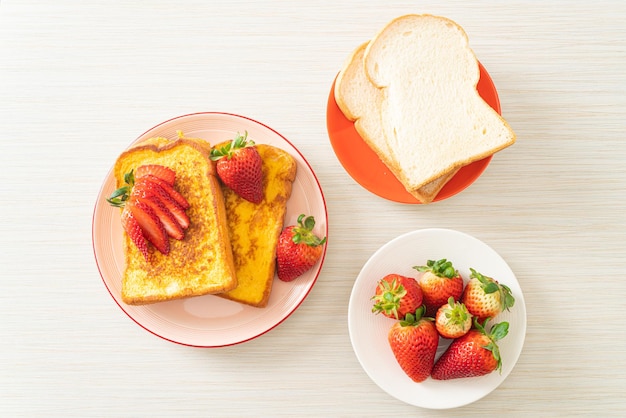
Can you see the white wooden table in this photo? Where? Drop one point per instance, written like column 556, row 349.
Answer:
column 79, row 80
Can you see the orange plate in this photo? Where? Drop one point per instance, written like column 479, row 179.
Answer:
column 364, row 166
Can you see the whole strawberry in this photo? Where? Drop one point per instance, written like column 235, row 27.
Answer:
column 439, row 282
column 485, row 297
column 453, row 320
column 240, row 167
column 396, row 296
column 298, row 249
column 413, row 342
column 474, row 354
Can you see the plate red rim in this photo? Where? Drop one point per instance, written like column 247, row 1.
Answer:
column 302, row 297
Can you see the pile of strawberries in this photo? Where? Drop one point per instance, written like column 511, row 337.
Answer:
column 439, row 305
column 153, row 210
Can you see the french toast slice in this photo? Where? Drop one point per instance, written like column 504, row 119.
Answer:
column 202, row 262
column 254, row 228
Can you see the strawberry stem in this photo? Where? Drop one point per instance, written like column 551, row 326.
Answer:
column 239, row 142
column 303, row 232
column 412, row 319
column 490, row 285
column 119, row 197
column 497, row 332
column 388, row 301
column 457, row 312
column 441, row 268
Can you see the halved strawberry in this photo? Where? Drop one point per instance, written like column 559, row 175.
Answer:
column 152, row 228
column 132, row 228
column 169, row 189
column 164, row 173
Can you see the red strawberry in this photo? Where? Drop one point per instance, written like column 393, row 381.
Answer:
column 239, row 165
column 132, row 228
column 171, row 192
column 298, row 249
column 396, row 296
column 474, row 354
column 413, row 342
column 453, row 320
column 152, row 228
column 485, row 297
column 160, row 171
column 151, row 210
column 148, row 187
column 439, row 282
column 171, row 225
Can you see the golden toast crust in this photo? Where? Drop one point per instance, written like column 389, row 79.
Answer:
column 202, row 263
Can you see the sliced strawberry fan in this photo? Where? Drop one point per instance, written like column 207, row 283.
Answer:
column 153, row 211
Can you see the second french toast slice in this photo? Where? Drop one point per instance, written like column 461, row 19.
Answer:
column 254, row 228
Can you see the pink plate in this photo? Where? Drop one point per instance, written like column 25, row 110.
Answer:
column 211, row 321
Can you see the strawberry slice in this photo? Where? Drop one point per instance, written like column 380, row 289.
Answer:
column 153, row 229
column 132, row 228
column 171, row 225
column 169, row 189
column 149, row 187
column 153, row 211
column 164, row 173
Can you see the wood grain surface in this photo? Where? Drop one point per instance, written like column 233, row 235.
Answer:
column 79, row 81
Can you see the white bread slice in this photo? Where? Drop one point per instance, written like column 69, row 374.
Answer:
column 359, row 101
column 433, row 119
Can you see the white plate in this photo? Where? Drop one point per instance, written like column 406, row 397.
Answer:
column 211, row 321
column 368, row 332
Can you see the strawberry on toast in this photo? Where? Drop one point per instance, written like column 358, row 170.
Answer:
column 176, row 240
column 254, row 228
